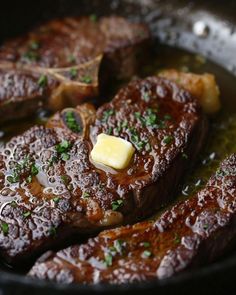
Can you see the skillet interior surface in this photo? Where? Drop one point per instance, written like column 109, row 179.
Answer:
column 172, row 23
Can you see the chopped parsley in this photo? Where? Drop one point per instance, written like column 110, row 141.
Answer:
column 146, row 254
column 63, row 148
column 86, row 79
column 65, row 179
column 43, row 81
column 150, row 118
column 25, row 168
column 118, row 245
column 85, row 195
column 177, row 239
column 26, row 214
column 56, row 200
column 71, row 122
column 136, row 140
column 167, row 139
column 146, row 244
column 106, row 115
column 117, row 204
column 5, row 228
column 13, row 204
column 73, row 73
column 145, row 96
column 108, row 259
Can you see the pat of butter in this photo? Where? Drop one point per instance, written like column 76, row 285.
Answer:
column 112, row 151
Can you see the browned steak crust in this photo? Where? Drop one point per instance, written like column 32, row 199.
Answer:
column 192, row 232
column 49, row 187
column 59, row 62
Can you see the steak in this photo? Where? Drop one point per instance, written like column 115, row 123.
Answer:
column 62, row 62
column 50, row 187
column 192, row 232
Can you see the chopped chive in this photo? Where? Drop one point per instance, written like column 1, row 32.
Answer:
column 56, row 200
column 5, row 228
column 71, row 122
column 106, row 115
column 118, row 244
column 85, row 195
column 146, row 244
column 86, row 79
column 43, row 81
column 108, row 259
column 73, row 73
column 26, row 214
column 117, row 204
column 167, row 139
column 177, row 239
column 13, row 204
column 146, row 254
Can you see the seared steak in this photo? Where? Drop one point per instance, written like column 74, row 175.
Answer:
column 50, row 188
column 59, row 63
column 192, row 232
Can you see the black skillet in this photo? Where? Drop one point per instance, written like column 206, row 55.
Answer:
column 206, row 27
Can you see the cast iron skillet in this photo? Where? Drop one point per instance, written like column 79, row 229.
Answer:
column 173, row 23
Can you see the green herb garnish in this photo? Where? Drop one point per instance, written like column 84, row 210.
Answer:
column 85, row 195
column 177, row 239
column 106, row 115
column 13, row 204
column 73, row 73
column 108, row 259
column 86, row 79
column 118, row 245
column 145, row 96
column 117, row 204
column 56, row 200
column 25, row 167
column 5, row 228
column 146, row 254
column 63, row 149
column 71, row 122
column 43, row 81
column 26, row 214
column 146, row 244
column 167, row 139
